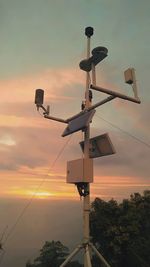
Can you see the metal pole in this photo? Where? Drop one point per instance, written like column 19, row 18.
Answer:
column 93, row 74
column 134, row 86
column 69, row 258
column 99, row 255
column 86, row 199
column 88, row 258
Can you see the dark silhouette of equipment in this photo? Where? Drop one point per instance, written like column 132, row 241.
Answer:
column 98, row 54
column 39, row 97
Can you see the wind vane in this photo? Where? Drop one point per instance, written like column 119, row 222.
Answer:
column 80, row 171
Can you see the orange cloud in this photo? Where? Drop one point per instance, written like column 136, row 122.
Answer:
column 54, row 81
column 41, row 183
column 29, row 144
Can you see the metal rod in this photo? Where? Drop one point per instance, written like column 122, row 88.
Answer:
column 116, row 94
column 80, row 113
column 86, row 199
column 42, row 107
column 69, row 258
column 134, row 85
column 99, row 255
column 54, row 119
column 102, row 102
column 88, row 258
column 93, row 74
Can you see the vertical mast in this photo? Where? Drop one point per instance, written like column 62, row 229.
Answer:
column 86, row 199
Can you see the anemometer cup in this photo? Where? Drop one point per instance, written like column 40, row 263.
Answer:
column 98, row 54
column 86, row 65
column 100, row 50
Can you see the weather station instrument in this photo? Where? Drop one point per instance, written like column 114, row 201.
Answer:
column 80, row 171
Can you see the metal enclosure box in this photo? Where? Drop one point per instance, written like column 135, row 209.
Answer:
column 80, row 170
column 129, row 75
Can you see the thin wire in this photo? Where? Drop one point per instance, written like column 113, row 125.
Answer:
column 2, row 256
column 140, row 259
column 3, row 233
column 34, row 194
column 41, row 114
column 131, row 135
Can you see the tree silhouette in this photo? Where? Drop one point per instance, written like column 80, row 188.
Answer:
column 52, row 254
column 122, row 231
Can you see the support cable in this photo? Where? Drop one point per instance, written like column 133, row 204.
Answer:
column 33, row 196
column 125, row 132
column 2, row 256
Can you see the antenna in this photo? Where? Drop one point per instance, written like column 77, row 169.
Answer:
column 80, row 171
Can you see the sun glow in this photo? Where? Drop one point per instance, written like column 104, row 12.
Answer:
column 47, row 194
column 30, row 193
column 104, row 187
column 43, row 193
column 40, row 194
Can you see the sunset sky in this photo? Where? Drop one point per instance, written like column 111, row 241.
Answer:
column 42, row 43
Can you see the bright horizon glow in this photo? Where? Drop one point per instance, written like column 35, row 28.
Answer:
column 55, row 188
column 43, row 195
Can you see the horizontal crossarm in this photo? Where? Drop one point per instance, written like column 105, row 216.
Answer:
column 100, row 103
column 115, row 94
column 55, row 118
